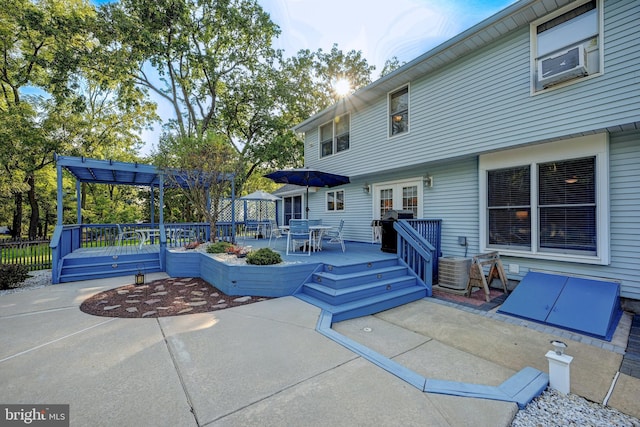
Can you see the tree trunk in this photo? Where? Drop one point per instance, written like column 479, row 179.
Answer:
column 16, row 227
column 35, row 209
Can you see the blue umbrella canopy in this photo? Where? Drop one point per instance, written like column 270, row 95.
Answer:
column 307, row 178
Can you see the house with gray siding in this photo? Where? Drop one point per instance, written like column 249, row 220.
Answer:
column 522, row 134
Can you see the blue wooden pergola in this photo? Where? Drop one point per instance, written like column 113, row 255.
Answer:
column 69, row 239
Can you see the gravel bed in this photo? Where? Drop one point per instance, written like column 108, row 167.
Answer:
column 37, row 279
column 552, row 408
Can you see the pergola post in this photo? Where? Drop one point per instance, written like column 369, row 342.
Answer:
column 161, row 200
column 59, row 195
column 78, row 202
column 233, row 209
column 152, row 220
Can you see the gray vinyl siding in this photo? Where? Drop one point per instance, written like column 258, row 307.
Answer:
column 483, row 103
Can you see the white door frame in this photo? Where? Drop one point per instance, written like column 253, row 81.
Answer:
column 397, row 194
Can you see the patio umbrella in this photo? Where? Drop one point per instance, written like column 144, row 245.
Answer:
column 307, row 178
column 260, row 196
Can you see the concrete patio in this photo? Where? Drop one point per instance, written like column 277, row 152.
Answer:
column 265, row 364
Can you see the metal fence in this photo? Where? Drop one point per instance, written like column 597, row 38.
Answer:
column 36, row 255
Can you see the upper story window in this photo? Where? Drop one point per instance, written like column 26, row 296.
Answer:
column 334, row 136
column 399, row 111
column 335, row 200
column 566, row 45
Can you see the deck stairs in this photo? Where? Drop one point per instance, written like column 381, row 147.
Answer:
column 97, row 267
column 356, row 290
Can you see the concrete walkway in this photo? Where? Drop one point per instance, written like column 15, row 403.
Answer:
column 261, row 364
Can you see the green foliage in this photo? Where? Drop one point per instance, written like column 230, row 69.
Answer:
column 391, row 65
column 11, row 275
column 264, row 256
column 218, row 247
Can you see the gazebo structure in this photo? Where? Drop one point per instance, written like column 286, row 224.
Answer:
column 88, row 251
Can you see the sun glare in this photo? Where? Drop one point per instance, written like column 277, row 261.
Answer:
column 342, row 87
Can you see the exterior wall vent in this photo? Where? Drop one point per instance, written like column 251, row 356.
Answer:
column 453, row 272
column 563, row 66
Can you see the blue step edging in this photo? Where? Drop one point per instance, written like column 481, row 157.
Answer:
column 521, row 388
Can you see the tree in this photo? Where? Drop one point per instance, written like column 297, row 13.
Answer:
column 202, row 169
column 42, row 44
column 391, row 65
column 213, row 62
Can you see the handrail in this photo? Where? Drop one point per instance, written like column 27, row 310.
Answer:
column 415, row 251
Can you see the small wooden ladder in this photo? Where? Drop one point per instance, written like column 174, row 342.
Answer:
column 476, row 274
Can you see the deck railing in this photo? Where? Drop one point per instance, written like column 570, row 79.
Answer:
column 415, row 249
column 431, row 231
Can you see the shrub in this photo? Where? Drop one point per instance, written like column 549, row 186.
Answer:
column 11, row 275
column 264, row 256
column 218, row 247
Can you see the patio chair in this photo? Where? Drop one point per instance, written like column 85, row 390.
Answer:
column 251, row 227
column 335, row 235
column 299, row 233
column 274, row 231
column 126, row 236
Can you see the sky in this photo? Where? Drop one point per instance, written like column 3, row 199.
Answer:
column 379, row 29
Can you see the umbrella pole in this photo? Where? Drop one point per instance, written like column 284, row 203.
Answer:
column 307, row 201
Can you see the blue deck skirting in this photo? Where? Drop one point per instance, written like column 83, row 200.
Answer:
column 245, row 280
column 521, row 388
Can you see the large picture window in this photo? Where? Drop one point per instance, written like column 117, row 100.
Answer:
column 547, row 201
column 334, row 136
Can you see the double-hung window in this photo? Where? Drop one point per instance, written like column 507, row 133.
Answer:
column 547, row 201
column 567, row 45
column 399, row 111
column 334, row 136
column 335, row 201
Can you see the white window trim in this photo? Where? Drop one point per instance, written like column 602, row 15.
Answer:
column 334, row 142
column 533, row 41
column 593, row 145
column 326, row 201
column 391, row 92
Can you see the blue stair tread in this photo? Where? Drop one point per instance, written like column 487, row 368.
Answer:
column 364, row 302
column 319, row 287
column 336, row 276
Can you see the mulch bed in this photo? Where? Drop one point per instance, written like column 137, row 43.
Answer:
column 161, row 298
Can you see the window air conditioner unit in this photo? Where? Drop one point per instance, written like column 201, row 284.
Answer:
column 563, row 66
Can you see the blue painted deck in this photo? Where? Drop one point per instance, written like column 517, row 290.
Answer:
column 586, row 306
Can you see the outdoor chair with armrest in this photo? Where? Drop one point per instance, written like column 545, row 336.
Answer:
column 126, row 236
column 274, row 231
column 335, row 235
column 299, row 233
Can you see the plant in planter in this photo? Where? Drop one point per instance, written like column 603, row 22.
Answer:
column 264, row 256
column 219, row 247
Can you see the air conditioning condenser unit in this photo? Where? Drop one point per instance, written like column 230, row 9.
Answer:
column 453, row 273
